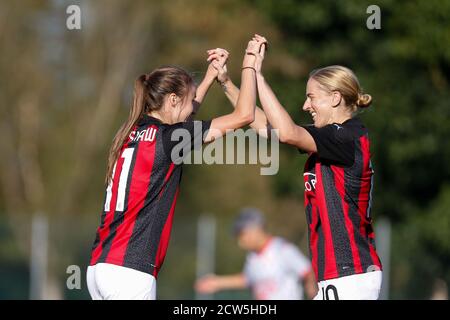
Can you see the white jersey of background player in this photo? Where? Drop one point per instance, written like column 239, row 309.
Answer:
column 274, row 270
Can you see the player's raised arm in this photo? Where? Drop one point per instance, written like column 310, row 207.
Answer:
column 277, row 116
column 218, row 59
column 244, row 113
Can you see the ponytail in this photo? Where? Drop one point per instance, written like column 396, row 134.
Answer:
column 135, row 114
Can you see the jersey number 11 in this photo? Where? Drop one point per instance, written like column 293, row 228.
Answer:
column 127, row 155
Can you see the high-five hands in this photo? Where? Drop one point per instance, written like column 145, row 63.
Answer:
column 218, row 58
column 254, row 54
column 260, row 54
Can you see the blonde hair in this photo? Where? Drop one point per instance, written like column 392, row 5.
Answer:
column 343, row 80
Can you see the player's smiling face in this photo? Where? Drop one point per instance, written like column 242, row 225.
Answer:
column 318, row 103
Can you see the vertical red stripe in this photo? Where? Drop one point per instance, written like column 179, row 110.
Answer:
column 339, row 180
column 138, row 187
column 330, row 258
column 364, row 196
column 165, row 237
column 365, row 179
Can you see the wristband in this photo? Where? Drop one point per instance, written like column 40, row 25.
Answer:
column 249, row 68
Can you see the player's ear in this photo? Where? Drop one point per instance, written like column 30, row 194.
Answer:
column 173, row 99
column 336, row 98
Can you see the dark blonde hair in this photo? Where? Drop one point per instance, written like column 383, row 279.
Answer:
column 150, row 91
column 343, row 80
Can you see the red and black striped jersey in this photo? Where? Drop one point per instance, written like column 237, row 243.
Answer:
column 338, row 197
column 140, row 200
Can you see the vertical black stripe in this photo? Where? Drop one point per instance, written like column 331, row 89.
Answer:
column 369, row 207
column 320, row 249
column 137, row 252
column 102, row 222
column 308, row 211
column 165, row 205
column 352, row 178
column 119, row 215
column 102, row 218
column 341, row 241
column 96, row 241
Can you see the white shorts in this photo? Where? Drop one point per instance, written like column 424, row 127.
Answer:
column 111, row 282
column 364, row 286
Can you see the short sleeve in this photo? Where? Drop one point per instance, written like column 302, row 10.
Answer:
column 295, row 261
column 334, row 143
column 181, row 138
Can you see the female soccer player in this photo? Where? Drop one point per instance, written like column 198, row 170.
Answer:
column 338, row 175
column 144, row 173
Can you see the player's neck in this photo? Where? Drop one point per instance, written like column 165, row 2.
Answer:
column 161, row 116
column 341, row 116
column 265, row 241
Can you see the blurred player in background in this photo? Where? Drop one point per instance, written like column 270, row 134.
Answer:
column 274, row 269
